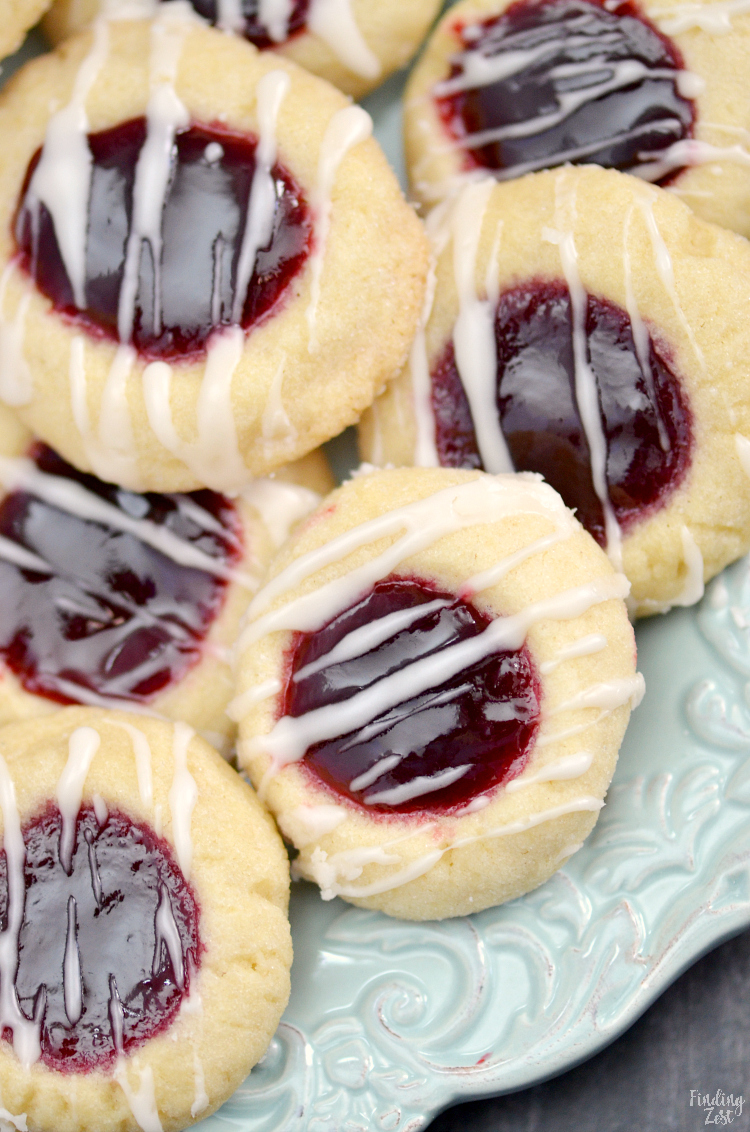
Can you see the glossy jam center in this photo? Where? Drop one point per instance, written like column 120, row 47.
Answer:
column 109, row 614
column 645, row 417
column 187, row 285
column 567, row 81
column 123, row 917
column 434, row 750
column 254, row 28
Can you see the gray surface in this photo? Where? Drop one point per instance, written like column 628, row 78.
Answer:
column 696, row 1036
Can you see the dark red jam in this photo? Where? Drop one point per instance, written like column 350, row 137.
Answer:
column 583, row 82
column 129, row 922
column 187, row 289
column 484, row 719
column 111, row 615
column 646, row 419
column 254, row 29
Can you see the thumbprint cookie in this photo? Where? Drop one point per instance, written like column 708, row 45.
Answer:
column 658, row 88
column 589, row 327
column 146, row 947
column 118, row 599
column 433, row 687
column 208, row 268
column 354, row 44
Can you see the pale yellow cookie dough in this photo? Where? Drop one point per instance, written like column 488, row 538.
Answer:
column 426, row 865
column 239, row 874
column 307, row 371
column 691, row 286
column 390, row 30
column 16, row 17
column 714, row 41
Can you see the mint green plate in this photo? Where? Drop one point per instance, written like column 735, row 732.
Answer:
column 389, row 1022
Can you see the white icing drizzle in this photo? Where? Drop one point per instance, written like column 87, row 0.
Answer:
column 67, row 495
column 305, row 824
column 16, row 385
column 333, row 21
column 83, row 744
column 420, row 524
column 17, row 1122
column 567, row 767
column 291, row 737
column 544, row 739
column 141, row 1101
column 165, row 114
column 13, row 552
column 168, row 933
column 183, row 795
column 214, row 457
column 202, row 1101
column 100, row 809
column 369, row 636
column 714, row 18
column 641, row 339
column 422, row 784
column 143, row 763
column 112, row 453
column 275, row 16
column 609, row 694
column 584, row 646
column 693, row 589
column 663, row 260
column 742, row 447
column 690, row 152
column 238, row 708
column 26, row 1033
column 269, row 93
column 275, row 425
column 474, row 328
column 425, row 450
column 347, row 128
column 115, row 1012
column 230, row 17
column 62, row 177
column 280, row 505
column 586, row 390
column 326, row 869
column 72, row 985
column 487, row 578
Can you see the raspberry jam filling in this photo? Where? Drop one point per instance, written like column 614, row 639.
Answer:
column 104, row 612
column 187, row 286
column 645, row 418
column 555, row 81
column 252, row 27
column 435, row 750
column 106, row 948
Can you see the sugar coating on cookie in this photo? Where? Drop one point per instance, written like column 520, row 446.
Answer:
column 433, row 686
column 354, row 44
column 589, row 327
column 150, row 968
column 166, row 363
column 119, row 599
column 651, row 88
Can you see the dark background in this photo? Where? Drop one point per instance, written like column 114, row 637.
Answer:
column 696, row 1036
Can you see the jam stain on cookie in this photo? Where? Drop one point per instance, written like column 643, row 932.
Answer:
column 253, row 27
column 562, row 81
column 106, row 949
column 186, row 286
column 646, row 419
column 434, row 751
column 111, row 616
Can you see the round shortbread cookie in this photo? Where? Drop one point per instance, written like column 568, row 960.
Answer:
column 598, row 331
column 243, row 351
column 16, row 19
column 123, row 600
column 659, row 88
column 433, row 688
column 355, row 45
column 142, row 820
